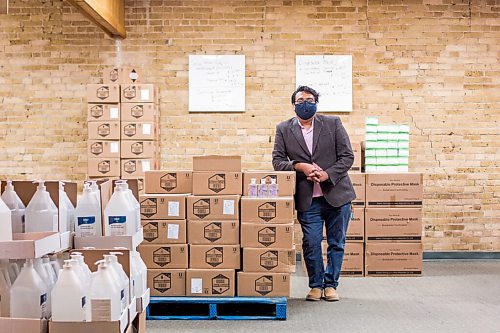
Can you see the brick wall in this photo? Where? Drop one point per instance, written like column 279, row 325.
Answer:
column 433, row 64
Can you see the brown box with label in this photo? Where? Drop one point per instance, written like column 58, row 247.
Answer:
column 359, row 183
column 121, row 75
column 214, row 256
column 222, row 207
column 356, row 228
column 104, row 130
column 217, row 183
column 393, row 259
column 263, row 284
column 139, row 149
column 103, row 167
column 167, row 282
column 393, row 224
column 136, row 168
column 139, row 112
column 394, row 190
column 210, row 282
column 103, row 149
column 142, row 93
column 356, row 149
column 140, row 131
column 267, row 235
column 163, row 206
column 164, row 256
column 353, row 263
column 213, row 232
column 164, row 232
column 284, row 179
column 103, row 93
column 268, row 260
column 164, row 181
column 217, row 163
column 267, row 210
column 103, row 112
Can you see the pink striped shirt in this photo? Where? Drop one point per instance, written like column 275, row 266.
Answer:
column 308, row 138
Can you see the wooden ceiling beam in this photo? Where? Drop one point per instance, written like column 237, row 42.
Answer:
column 4, row 6
column 107, row 14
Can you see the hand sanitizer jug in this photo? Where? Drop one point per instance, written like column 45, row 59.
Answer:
column 105, row 302
column 88, row 214
column 5, row 222
column 120, row 216
column 66, row 211
column 41, row 213
column 16, row 206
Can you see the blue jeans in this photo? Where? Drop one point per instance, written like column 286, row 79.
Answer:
column 336, row 221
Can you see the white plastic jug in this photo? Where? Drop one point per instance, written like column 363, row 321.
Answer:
column 105, row 300
column 96, row 192
column 88, row 214
column 10, row 268
column 5, row 285
column 121, row 277
column 141, row 283
column 47, row 278
column 85, row 271
column 16, row 206
column 69, row 296
column 5, row 222
column 134, row 202
column 49, row 268
column 66, row 211
column 41, row 212
column 120, row 216
column 28, row 294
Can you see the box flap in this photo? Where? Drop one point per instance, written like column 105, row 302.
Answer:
column 143, row 301
column 109, row 242
column 30, row 245
column 25, row 325
column 217, row 163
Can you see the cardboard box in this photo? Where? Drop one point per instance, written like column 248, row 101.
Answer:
column 356, row 227
column 264, row 284
column 142, row 301
column 217, row 183
column 163, row 206
column 356, row 149
column 25, row 325
column 217, row 163
column 167, row 282
column 103, row 112
column 393, row 224
column 358, row 182
column 136, row 168
column 103, row 167
column 268, row 260
column 214, row 208
column 139, row 112
column 164, row 256
column 139, row 149
column 118, row 326
column 394, row 190
column 267, row 210
column 104, row 130
column 284, row 179
column 109, row 242
column 353, row 263
column 173, row 182
column 213, row 232
column 210, row 282
column 103, row 93
column 393, row 259
column 214, row 256
column 142, row 93
column 121, row 75
column 140, row 131
column 267, row 236
column 103, row 149
column 30, row 245
column 165, row 232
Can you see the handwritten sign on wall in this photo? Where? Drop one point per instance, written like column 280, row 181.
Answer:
column 216, row 83
column 331, row 76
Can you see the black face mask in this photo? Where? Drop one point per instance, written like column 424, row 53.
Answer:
column 305, row 110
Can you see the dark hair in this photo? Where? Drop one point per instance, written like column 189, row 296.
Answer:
column 307, row 90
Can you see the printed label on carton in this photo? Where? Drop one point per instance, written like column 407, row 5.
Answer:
column 173, row 208
column 168, row 182
column 130, row 167
column 103, row 130
column 137, row 111
column 144, row 94
column 267, row 211
column 104, row 166
column 268, row 178
column 213, row 231
column 150, row 231
column 217, row 183
column 129, row 92
column 97, row 111
column 162, row 256
column 102, row 92
column 113, row 75
column 96, row 148
column 162, row 282
column 201, row 208
column 228, row 208
column 269, row 259
column 220, row 284
column 137, row 148
column 129, row 130
column 197, row 286
column 264, row 285
column 173, row 231
column 267, row 236
column 149, row 207
column 214, row 256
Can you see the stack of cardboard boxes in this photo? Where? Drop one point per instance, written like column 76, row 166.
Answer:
column 267, row 237
column 123, row 126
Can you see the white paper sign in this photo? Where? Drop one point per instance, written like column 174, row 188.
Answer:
column 113, row 113
column 173, row 231
column 331, row 76
column 173, row 208
column 144, row 94
column 146, row 129
column 228, row 207
column 146, row 166
column 114, row 147
column 196, row 286
column 217, row 83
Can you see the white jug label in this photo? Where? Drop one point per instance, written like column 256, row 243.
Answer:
column 173, row 231
column 146, row 129
column 85, row 220
column 43, row 306
column 144, row 94
column 101, row 309
column 117, row 225
column 196, row 286
column 114, row 147
column 228, row 207
column 173, row 208
column 84, row 301
column 113, row 113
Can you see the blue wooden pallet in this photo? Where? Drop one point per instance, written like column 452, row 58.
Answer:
column 212, row 308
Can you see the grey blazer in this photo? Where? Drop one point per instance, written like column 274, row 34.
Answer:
column 332, row 151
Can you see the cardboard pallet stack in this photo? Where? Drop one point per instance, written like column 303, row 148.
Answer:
column 163, row 216
column 123, row 129
column 267, row 239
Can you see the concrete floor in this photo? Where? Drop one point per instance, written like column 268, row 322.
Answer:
column 452, row 296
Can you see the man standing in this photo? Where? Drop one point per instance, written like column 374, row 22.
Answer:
column 318, row 148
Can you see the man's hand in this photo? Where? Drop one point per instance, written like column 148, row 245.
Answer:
column 319, row 175
column 306, row 168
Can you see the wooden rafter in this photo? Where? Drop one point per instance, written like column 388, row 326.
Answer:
column 107, row 14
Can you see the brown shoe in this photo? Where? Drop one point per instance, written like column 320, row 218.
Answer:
column 330, row 294
column 314, row 295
